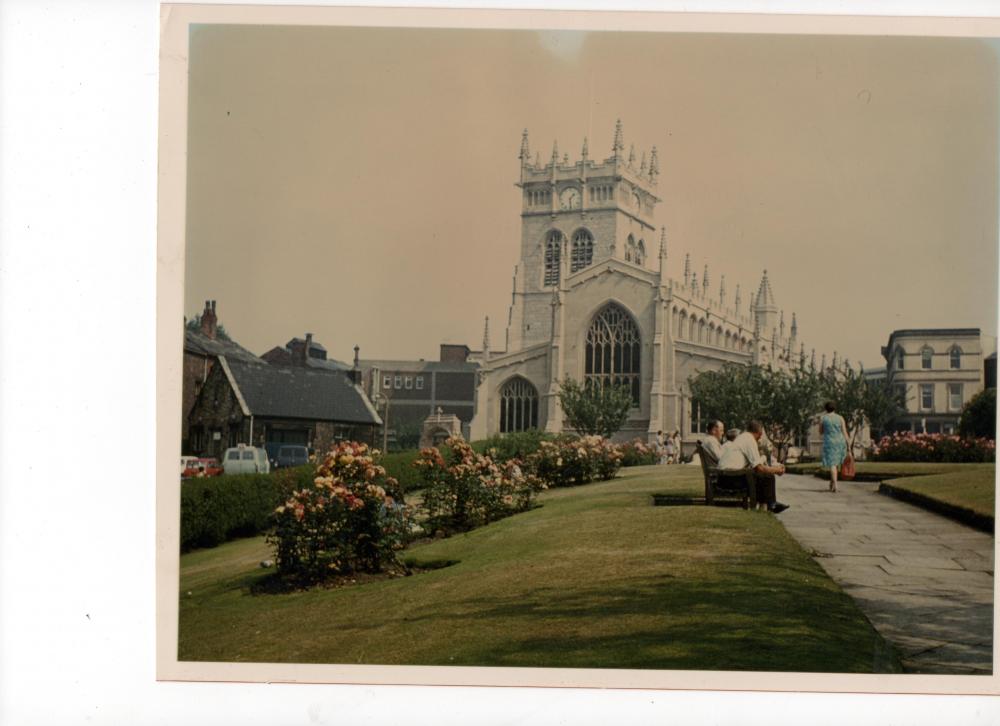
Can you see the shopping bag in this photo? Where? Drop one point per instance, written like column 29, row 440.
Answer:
column 847, row 468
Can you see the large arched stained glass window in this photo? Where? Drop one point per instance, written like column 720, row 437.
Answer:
column 518, row 406
column 553, row 248
column 583, row 251
column 613, row 351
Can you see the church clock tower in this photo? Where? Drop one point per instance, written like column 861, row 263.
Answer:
column 575, row 215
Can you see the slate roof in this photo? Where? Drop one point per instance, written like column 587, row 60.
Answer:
column 297, row 392
column 200, row 344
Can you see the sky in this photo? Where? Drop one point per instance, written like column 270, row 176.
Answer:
column 359, row 183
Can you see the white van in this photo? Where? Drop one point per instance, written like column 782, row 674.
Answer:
column 245, row 459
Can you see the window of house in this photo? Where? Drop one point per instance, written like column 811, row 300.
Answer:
column 926, row 397
column 409, row 382
column 955, row 357
column 398, row 382
column 926, row 356
column 933, row 427
column 420, row 383
column 948, row 429
column 899, row 360
column 386, row 381
column 955, row 396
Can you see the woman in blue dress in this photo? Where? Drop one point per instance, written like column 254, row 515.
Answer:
column 835, row 440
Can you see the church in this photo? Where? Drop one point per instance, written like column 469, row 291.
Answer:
column 592, row 300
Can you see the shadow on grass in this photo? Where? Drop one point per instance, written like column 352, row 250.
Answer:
column 666, row 622
column 274, row 583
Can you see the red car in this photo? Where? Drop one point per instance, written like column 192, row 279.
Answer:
column 201, row 467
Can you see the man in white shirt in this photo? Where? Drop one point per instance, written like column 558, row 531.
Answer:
column 712, row 444
column 743, row 453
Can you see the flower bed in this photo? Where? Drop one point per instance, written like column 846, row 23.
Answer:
column 352, row 519
column 638, row 453
column 569, row 461
column 464, row 489
column 908, row 446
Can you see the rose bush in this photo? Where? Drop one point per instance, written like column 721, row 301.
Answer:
column 908, row 446
column 638, row 453
column 465, row 489
column 576, row 460
column 352, row 519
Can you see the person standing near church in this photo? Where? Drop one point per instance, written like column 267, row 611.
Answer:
column 835, row 440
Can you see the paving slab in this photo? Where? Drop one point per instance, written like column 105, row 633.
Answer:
column 924, row 581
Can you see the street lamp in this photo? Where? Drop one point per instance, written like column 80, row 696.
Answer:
column 379, row 399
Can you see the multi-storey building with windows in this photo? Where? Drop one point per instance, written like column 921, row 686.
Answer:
column 592, row 300
column 936, row 371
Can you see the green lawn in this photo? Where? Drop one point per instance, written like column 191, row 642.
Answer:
column 595, row 577
column 969, row 486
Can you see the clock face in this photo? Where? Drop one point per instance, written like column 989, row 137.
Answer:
column 570, row 198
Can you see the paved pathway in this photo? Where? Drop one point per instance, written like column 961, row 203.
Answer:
column 924, row 581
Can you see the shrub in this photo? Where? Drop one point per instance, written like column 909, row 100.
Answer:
column 464, row 489
column 979, row 417
column 399, row 465
column 351, row 519
column 515, row 445
column 217, row 509
column 908, row 446
column 638, row 453
column 575, row 460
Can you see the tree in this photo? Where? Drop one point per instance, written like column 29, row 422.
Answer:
column 194, row 324
column 979, row 416
column 795, row 399
column 594, row 409
column 735, row 394
column 861, row 400
column 784, row 402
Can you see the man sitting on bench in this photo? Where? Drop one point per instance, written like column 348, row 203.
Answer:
column 743, row 453
column 712, row 444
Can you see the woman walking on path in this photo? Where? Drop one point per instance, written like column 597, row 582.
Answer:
column 835, row 440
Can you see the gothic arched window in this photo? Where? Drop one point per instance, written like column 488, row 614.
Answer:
column 518, row 406
column 630, row 249
column 583, row 251
column 640, row 253
column 613, row 351
column 553, row 249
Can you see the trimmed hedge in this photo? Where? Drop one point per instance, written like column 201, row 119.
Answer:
column 399, row 465
column 515, row 445
column 220, row 508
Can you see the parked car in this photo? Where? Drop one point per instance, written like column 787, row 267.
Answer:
column 291, row 455
column 201, row 466
column 245, row 459
column 188, row 462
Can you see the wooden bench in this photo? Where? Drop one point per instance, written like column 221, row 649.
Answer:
column 729, row 483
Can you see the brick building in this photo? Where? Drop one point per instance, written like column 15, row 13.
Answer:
column 415, row 389
column 303, row 352
column 202, row 349
column 245, row 401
